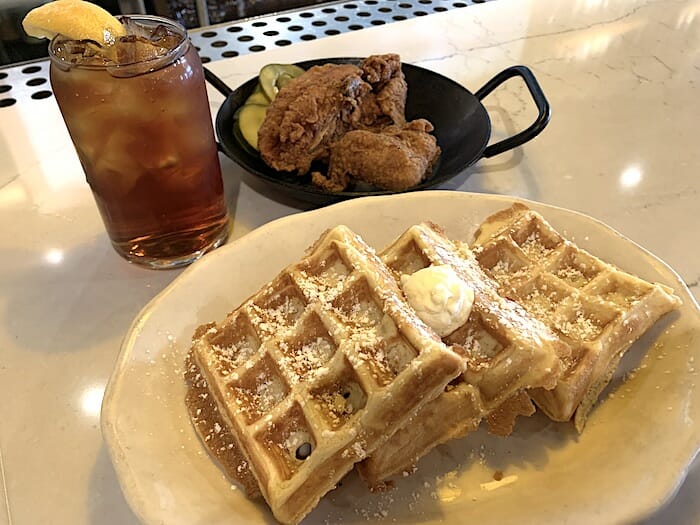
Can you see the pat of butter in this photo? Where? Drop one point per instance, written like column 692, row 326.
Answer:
column 440, row 297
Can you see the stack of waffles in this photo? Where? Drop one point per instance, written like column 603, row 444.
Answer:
column 328, row 365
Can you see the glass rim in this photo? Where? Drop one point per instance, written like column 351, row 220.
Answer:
column 170, row 56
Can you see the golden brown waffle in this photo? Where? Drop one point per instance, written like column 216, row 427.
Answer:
column 597, row 309
column 213, row 430
column 501, row 420
column 507, row 351
column 319, row 368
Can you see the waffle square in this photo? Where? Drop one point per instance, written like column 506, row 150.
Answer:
column 592, row 306
column 213, row 430
column 506, row 350
column 318, row 368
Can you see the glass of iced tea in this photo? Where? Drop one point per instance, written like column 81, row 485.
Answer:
column 138, row 114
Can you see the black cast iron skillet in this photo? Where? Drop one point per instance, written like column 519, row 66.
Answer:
column 462, row 128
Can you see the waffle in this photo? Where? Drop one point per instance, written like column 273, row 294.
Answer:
column 594, row 307
column 506, row 351
column 213, row 430
column 318, row 368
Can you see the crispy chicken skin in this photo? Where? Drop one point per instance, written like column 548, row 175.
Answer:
column 309, row 114
column 352, row 118
column 389, row 87
column 317, row 108
column 394, row 158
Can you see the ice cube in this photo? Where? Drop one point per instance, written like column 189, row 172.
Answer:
column 134, row 28
column 81, row 52
column 116, row 171
column 158, row 32
column 132, row 49
column 164, row 37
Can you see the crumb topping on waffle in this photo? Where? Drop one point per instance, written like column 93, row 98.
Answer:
column 214, row 431
column 596, row 308
column 506, row 351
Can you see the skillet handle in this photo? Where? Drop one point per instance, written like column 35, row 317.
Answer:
column 222, row 88
column 215, row 81
column 537, row 95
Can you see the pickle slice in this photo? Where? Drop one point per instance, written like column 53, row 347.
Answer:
column 275, row 76
column 284, row 79
column 258, row 96
column 251, row 115
column 250, row 118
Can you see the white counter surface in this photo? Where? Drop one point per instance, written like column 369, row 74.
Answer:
column 623, row 80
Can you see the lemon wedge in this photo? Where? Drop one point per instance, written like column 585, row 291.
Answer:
column 73, row 19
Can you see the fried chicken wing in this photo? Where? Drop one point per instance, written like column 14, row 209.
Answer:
column 394, row 158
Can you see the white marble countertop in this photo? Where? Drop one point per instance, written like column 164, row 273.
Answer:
column 623, row 80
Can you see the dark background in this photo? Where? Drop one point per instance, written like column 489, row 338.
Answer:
column 16, row 46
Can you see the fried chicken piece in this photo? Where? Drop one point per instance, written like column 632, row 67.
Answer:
column 389, row 88
column 309, row 114
column 317, row 108
column 394, row 158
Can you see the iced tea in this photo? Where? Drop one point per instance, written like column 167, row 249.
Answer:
column 138, row 114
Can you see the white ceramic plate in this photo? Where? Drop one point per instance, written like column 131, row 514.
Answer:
column 630, row 459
